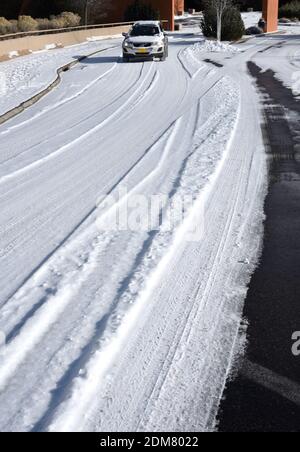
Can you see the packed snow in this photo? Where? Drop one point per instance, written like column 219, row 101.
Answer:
column 210, row 46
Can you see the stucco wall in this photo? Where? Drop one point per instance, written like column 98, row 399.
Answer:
column 34, row 43
column 270, row 14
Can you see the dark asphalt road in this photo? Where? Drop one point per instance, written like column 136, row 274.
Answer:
column 265, row 397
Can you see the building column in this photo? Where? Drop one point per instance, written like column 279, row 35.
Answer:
column 167, row 11
column 270, row 14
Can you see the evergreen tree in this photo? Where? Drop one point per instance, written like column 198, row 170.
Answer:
column 232, row 25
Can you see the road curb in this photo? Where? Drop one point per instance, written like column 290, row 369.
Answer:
column 34, row 99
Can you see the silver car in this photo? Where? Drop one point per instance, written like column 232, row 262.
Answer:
column 145, row 39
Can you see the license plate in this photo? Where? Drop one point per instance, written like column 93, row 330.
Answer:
column 142, row 50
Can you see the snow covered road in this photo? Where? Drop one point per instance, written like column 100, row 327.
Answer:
column 122, row 330
column 22, row 78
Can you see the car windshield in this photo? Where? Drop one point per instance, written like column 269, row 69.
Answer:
column 144, row 30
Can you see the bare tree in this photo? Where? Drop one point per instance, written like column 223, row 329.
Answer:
column 87, row 4
column 219, row 6
column 98, row 7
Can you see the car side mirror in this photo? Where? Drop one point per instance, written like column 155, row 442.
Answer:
column 125, row 35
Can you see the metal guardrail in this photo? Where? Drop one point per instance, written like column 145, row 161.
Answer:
column 26, row 34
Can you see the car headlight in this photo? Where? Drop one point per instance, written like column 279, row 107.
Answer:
column 127, row 44
column 158, row 43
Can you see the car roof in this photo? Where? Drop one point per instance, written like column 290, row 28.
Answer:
column 147, row 22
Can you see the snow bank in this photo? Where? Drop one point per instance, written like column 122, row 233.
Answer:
column 213, row 46
column 50, row 46
column 13, row 54
column 191, row 57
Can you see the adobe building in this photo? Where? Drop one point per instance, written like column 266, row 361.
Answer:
column 270, row 14
column 167, row 9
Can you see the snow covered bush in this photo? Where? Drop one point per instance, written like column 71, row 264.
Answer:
column 44, row 24
column 65, row 20
column 27, row 23
column 8, row 26
column 5, row 26
column 70, row 19
column 13, row 26
column 233, row 27
column 56, row 23
column 290, row 10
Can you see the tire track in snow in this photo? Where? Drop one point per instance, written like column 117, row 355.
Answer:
column 45, row 315
column 83, row 220
column 20, row 409
column 183, row 334
column 28, row 167
column 180, row 103
column 202, row 382
column 182, row 415
column 65, row 295
column 138, row 187
column 38, row 321
column 158, row 168
column 123, row 111
column 61, row 103
column 29, row 340
column 27, row 103
column 173, row 350
column 78, row 226
column 87, row 351
column 200, row 64
column 133, row 105
column 101, row 326
column 84, row 135
column 84, row 391
column 84, row 237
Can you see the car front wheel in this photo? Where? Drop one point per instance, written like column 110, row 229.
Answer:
column 164, row 56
